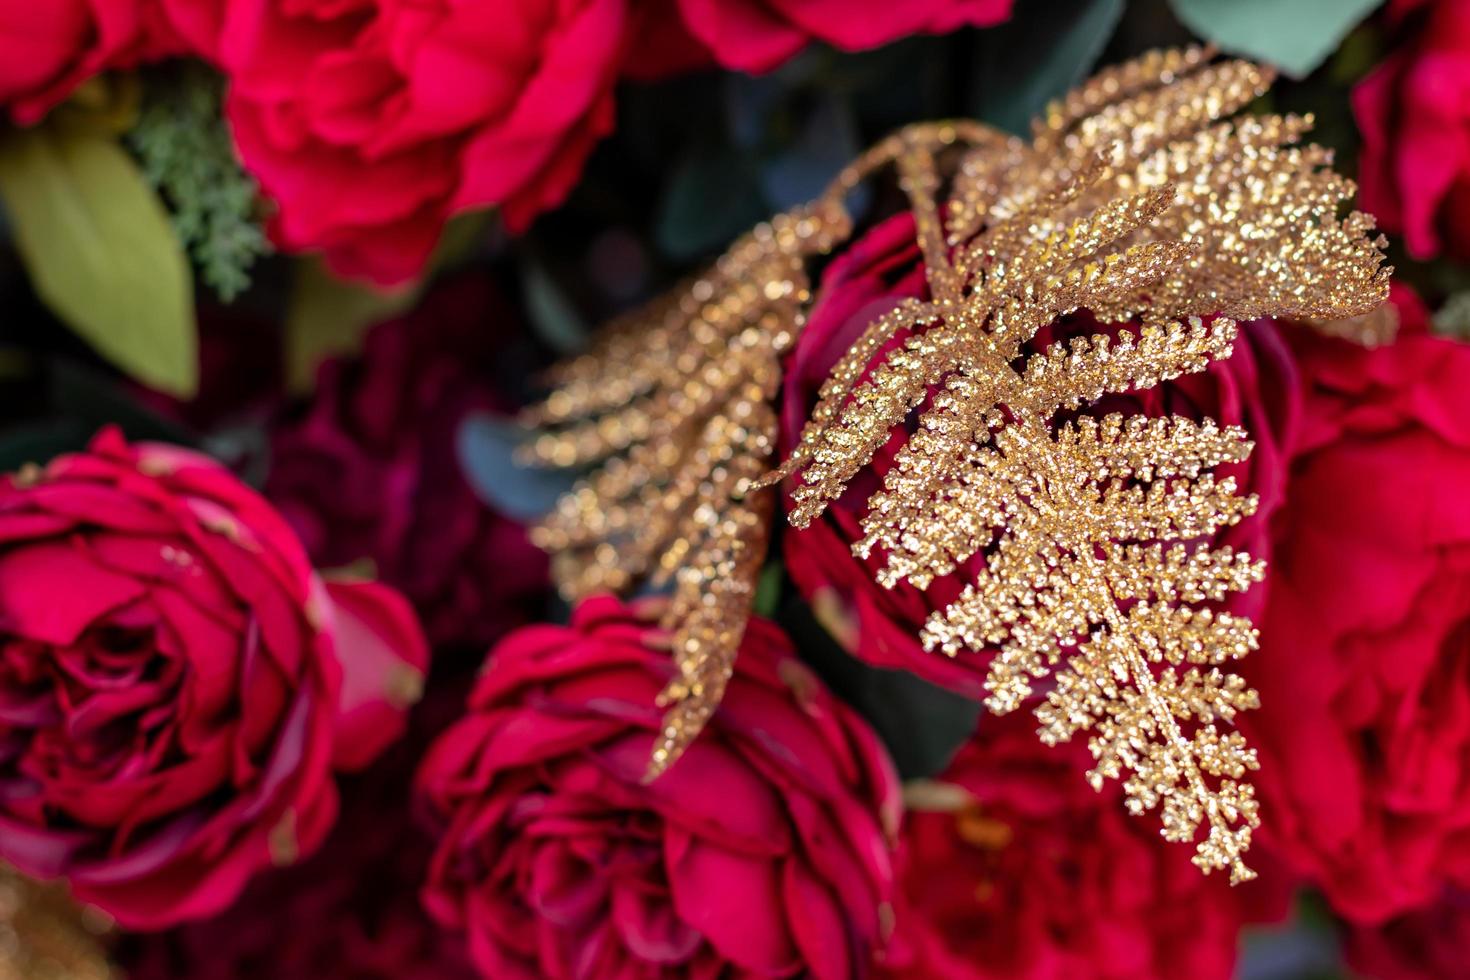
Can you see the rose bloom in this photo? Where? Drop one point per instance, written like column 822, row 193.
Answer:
column 1413, row 112
column 1255, row 389
column 369, row 471
column 350, row 910
column 758, row 35
column 176, row 684
column 370, row 123
column 1364, row 666
column 763, row 852
column 48, row 49
column 1029, row 873
column 1425, row 944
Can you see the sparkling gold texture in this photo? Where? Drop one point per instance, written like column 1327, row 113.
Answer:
column 1136, row 202
column 45, row 936
column 1138, row 199
column 674, row 409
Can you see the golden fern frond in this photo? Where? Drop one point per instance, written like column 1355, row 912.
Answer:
column 672, row 412
column 1115, row 84
column 1119, row 447
column 1088, row 368
column 845, row 375
column 1137, row 202
column 1179, row 575
column 674, row 404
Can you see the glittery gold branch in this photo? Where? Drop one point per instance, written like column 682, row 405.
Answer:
column 674, row 408
column 1136, row 202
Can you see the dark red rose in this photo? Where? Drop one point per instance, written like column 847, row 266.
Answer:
column 763, row 852
column 176, row 684
column 1020, row 870
column 369, row 471
column 1414, row 115
column 1255, row 388
column 758, row 35
column 349, row 911
column 369, row 123
column 1364, row 666
column 47, row 49
column 1425, row 944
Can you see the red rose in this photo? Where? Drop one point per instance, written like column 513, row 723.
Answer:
column 1031, row 874
column 370, row 471
column 370, row 123
column 758, row 35
column 765, row 849
column 49, row 48
column 1426, row 944
column 349, row 911
column 1414, row 115
column 1255, row 389
column 1364, row 666
column 176, row 685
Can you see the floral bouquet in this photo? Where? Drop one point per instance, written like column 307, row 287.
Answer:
column 734, row 488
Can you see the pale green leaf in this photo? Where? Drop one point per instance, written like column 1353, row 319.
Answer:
column 1036, row 56
column 101, row 251
column 1294, row 35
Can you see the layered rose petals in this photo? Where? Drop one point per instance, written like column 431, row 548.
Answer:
column 370, row 123
column 175, row 680
column 48, row 49
column 1015, row 869
column 759, row 35
column 1364, row 666
column 766, row 849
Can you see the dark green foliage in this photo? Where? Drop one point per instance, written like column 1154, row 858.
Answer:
column 183, row 143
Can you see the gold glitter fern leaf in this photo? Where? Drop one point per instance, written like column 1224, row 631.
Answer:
column 1135, row 202
column 1139, row 200
column 673, row 408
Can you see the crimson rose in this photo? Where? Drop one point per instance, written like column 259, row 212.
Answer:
column 1028, row 873
column 765, row 849
column 48, row 49
column 370, row 123
column 351, row 910
column 1425, row 944
column 369, row 470
column 1255, row 389
column 176, row 684
column 1414, row 115
column 758, row 35
column 1364, row 666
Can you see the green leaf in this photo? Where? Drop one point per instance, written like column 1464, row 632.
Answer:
column 713, row 196
column 1036, row 56
column 487, row 447
column 554, row 318
column 1294, row 35
column 328, row 316
column 101, row 251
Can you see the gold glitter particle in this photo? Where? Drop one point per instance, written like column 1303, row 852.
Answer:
column 1139, row 200
column 1134, row 202
column 44, row 935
